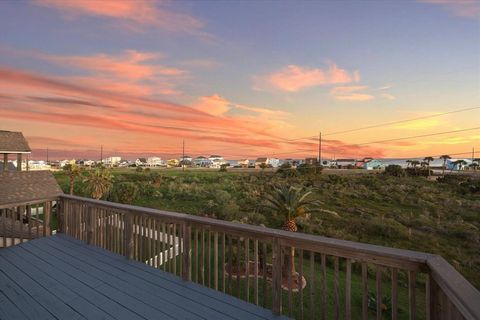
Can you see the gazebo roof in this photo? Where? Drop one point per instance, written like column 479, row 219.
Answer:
column 13, row 142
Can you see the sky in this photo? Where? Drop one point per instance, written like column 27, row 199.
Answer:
column 241, row 78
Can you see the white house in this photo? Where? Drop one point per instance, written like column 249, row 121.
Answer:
column 155, row 162
column 202, row 161
column 112, row 161
column 140, row 162
column 274, row 162
column 216, row 160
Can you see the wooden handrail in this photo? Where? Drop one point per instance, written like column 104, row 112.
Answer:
column 460, row 293
column 26, row 203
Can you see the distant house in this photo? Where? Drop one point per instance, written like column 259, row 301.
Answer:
column 173, row 163
column 185, row 161
column 372, row 164
column 216, row 160
column 311, row 161
column 141, row 162
column 232, row 163
column 12, row 142
column 202, row 162
column 155, row 162
column 261, row 161
column 458, row 164
column 243, row 163
column 346, row 163
column 273, row 162
column 112, row 161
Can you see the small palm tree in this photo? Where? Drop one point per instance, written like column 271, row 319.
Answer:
column 444, row 157
column 409, row 162
column 428, row 160
column 72, row 171
column 99, row 182
column 415, row 163
column 291, row 202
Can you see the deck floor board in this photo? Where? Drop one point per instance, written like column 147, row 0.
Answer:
column 59, row 277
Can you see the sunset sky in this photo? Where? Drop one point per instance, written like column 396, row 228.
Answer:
column 240, row 79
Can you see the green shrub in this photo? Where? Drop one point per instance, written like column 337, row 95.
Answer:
column 394, row 170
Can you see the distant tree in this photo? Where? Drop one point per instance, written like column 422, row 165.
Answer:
column 223, row 167
column 99, row 182
column 394, row 170
column 291, row 202
column 444, row 157
column 139, row 169
column 427, row 161
column 458, row 164
column 474, row 166
column 415, row 163
column 73, row 172
column 126, row 192
column 263, row 166
column 409, row 162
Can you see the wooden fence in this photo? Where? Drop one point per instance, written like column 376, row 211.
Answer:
column 299, row 275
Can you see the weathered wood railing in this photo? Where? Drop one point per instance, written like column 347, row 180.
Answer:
column 333, row 279
column 20, row 222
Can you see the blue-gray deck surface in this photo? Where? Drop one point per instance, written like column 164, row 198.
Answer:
column 59, row 277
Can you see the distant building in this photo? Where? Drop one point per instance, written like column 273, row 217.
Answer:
column 243, row 163
column 63, row 163
column 202, row 161
column 273, row 162
column 12, row 142
column 155, row 162
column 372, row 164
column 311, row 161
column 216, row 160
column 173, row 163
column 261, row 161
column 141, row 162
column 345, row 163
column 112, row 161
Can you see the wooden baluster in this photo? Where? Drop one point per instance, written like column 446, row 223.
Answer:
column 379, row 292
column 264, row 274
column 255, row 283
column 209, row 259
column 276, row 277
column 20, row 215
column 128, row 235
column 290, row 286
column 89, row 225
column 238, row 267
column 324, row 286
column 154, row 244
column 224, row 253
column 230, row 264
column 311, row 280
column 247, row 269
column 202, row 260
column 394, row 293
column 412, row 279
column 164, row 246
column 187, row 260
column 300, row 280
column 348, row 291
column 29, row 221
column 336, row 286
column 215, row 260
column 4, row 226
column 37, row 220
column 364, row 291
column 170, row 248
column 174, row 249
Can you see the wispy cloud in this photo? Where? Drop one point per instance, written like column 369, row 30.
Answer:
column 294, row 78
column 351, row 93
column 133, row 13
column 460, row 8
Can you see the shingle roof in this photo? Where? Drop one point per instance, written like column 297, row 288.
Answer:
column 27, row 186
column 13, row 142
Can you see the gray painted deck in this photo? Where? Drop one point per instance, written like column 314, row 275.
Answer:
column 59, row 277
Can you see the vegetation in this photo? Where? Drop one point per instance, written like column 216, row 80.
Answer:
column 391, row 209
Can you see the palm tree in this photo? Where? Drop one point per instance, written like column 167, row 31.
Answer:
column 428, row 160
column 415, row 163
column 409, row 162
column 99, row 182
column 291, row 202
column 72, row 171
column 445, row 157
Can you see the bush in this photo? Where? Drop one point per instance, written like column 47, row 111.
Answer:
column 394, row 170
column 125, row 192
column 139, row 169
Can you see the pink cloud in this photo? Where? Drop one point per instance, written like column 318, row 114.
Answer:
column 214, row 105
column 137, row 12
column 294, row 78
column 460, row 8
column 351, row 93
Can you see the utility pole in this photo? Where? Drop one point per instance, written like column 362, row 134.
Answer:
column 320, row 148
column 183, row 156
column 47, row 155
column 101, row 154
column 473, row 153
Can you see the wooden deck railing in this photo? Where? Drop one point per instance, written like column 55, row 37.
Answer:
column 334, row 279
column 20, row 222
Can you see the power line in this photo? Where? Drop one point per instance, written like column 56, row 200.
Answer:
column 389, row 123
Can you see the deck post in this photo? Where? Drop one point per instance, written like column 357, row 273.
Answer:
column 187, row 231
column 5, row 162
column 60, row 215
column 19, row 162
column 47, row 209
column 89, row 224
column 276, row 277
column 128, row 236
column 434, row 299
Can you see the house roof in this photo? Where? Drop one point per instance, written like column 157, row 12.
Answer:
column 24, row 186
column 13, row 142
column 261, row 160
column 215, row 156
